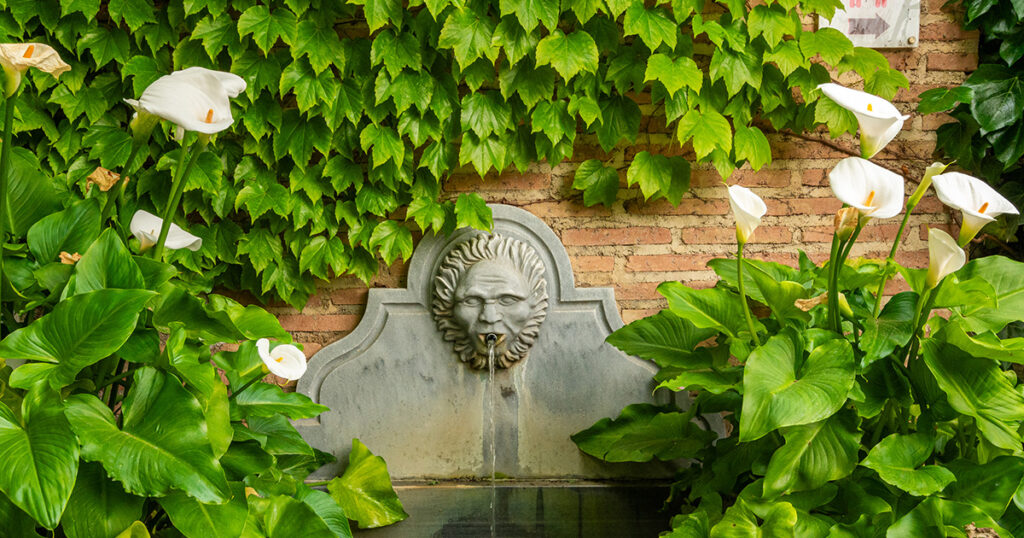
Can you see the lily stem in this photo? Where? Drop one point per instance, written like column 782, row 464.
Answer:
column 177, row 188
column 924, row 305
column 890, row 259
column 743, row 296
column 248, row 384
column 833, row 283
column 5, row 202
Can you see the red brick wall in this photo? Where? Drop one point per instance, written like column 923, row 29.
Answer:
column 633, row 246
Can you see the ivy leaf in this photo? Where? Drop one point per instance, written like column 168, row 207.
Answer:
column 318, row 41
column 674, row 74
column 736, row 69
column 751, row 144
column 216, row 33
column 322, row 253
column 586, row 107
column 386, row 144
column 261, row 192
column 620, row 118
column 310, row 89
column 468, row 35
column 787, row 57
column 262, row 247
column 531, row 83
column 772, row 23
column 380, row 12
column 391, row 239
column 89, row 8
column 584, row 9
column 267, row 27
column 568, row 54
column 830, row 43
column 438, row 158
column 485, row 113
column 419, row 127
column 516, row 42
column 298, row 137
column 838, row 119
column 371, row 199
column 531, row 12
column 553, row 120
column 484, row 153
column 134, row 12
column 652, row 25
column 105, row 45
column 863, row 61
column 708, row 129
column 885, row 83
column 347, row 105
column 825, row 8
column 397, row 52
column 599, row 183
column 427, row 213
column 471, row 210
column 659, row 175
column 943, row 99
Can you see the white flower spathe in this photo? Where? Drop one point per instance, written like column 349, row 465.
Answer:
column 285, row 360
column 944, row 256
column 873, row 190
column 747, row 209
column 16, row 58
column 145, row 226
column 979, row 202
column 880, row 121
column 195, row 99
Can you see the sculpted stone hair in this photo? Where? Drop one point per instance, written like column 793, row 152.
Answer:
column 455, row 264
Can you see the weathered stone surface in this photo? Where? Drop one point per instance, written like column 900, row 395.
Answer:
column 399, row 387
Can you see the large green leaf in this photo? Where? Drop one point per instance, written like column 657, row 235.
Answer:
column 15, row 522
column 80, row 331
column 643, row 432
column 364, row 490
column 998, row 96
column 71, row 230
column 192, row 362
column 107, row 264
column 711, row 308
column 599, row 183
column 29, row 191
column 898, row 460
column 938, row 517
column 978, row 388
column 740, row 522
column 1007, row 279
column 162, row 444
column 278, row 436
column 659, row 176
column 568, row 54
column 813, row 455
column 198, row 520
column 784, row 386
column 329, row 511
column 264, row 400
column 891, row 329
column 39, row 455
column 664, row 338
column 984, row 345
column 988, row 487
column 281, row 517
column 98, row 507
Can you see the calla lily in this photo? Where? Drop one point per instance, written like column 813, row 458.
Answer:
column 980, row 203
column 195, row 99
column 145, row 226
column 944, row 256
column 747, row 208
column 879, row 120
column 873, row 190
column 285, row 360
column 16, row 58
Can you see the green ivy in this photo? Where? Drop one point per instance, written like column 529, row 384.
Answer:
column 356, row 113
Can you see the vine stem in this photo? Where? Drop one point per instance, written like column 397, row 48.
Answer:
column 177, row 188
column 743, row 296
column 5, row 202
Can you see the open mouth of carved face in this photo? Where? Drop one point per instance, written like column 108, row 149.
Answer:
column 492, row 340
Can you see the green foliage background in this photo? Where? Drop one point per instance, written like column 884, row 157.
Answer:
column 355, row 113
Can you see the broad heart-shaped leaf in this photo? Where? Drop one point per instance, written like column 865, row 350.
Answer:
column 726, row 269
column 643, row 432
column 659, row 175
column 107, row 264
column 740, row 522
column 898, row 458
column 98, row 505
column 892, row 328
column 937, row 517
column 40, row 456
column 1007, row 279
column 599, row 183
column 997, row 96
column 664, row 338
column 15, row 522
column 78, row 332
column 675, row 74
column 568, row 54
column 264, row 400
column 162, row 444
column 364, row 490
column 135, row 530
column 278, row 436
column 71, row 230
column 986, row 345
column 813, row 455
column 977, row 387
column 783, row 387
column 779, row 295
column 281, row 516
column 329, row 511
column 198, row 520
column 30, row 191
column 711, row 308
column 988, row 487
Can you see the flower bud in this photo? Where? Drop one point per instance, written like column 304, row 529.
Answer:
column 846, row 222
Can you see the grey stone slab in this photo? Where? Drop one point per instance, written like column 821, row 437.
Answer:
column 399, row 387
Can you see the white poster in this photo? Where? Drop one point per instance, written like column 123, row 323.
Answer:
column 878, row 24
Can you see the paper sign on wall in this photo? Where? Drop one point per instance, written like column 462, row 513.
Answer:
column 878, row 24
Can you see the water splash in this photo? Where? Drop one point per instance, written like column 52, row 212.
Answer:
column 492, row 341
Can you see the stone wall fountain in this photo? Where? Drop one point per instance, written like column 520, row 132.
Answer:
column 470, row 381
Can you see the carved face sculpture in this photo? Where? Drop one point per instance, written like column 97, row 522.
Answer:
column 490, row 293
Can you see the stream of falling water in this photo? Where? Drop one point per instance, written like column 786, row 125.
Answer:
column 494, row 452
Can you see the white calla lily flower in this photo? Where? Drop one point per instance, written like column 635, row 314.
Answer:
column 747, row 209
column 979, row 202
column 145, row 226
column 285, row 360
column 16, row 58
column 880, row 121
column 873, row 190
column 944, row 256
column 195, row 99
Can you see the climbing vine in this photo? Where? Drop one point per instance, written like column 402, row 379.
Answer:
column 356, row 112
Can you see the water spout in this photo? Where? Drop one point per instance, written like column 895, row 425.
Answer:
column 492, row 340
